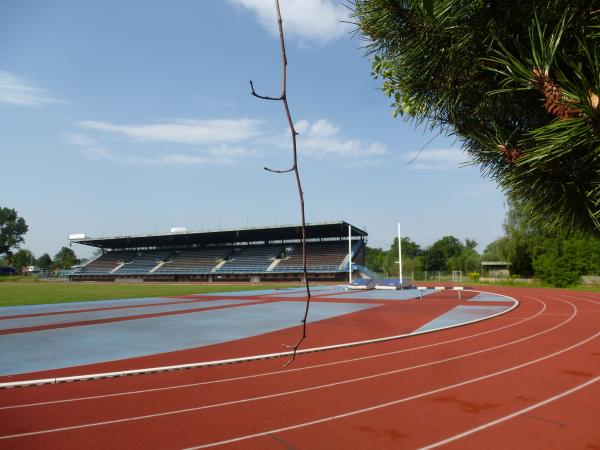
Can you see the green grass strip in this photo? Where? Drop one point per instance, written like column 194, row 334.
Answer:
column 28, row 293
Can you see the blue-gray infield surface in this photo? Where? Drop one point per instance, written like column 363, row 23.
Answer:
column 462, row 314
column 239, row 318
column 384, row 294
column 71, row 317
column 72, row 306
column 65, row 347
column 485, row 297
column 288, row 292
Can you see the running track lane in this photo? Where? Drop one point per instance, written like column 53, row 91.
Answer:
column 454, row 384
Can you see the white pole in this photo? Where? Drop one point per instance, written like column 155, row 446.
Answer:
column 350, row 253
column 400, row 254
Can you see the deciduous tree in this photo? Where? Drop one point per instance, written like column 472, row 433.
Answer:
column 438, row 255
column 22, row 258
column 562, row 260
column 521, row 238
column 12, row 230
column 64, row 259
column 44, row 262
column 496, row 250
column 375, row 259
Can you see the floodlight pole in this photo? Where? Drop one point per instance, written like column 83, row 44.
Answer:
column 400, row 254
column 350, row 253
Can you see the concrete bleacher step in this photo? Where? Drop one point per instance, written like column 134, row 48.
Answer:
column 218, row 266
column 117, row 268
column 93, row 259
column 273, row 265
column 158, row 266
column 343, row 264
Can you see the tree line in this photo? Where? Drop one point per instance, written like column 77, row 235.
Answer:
column 557, row 258
column 63, row 259
column 447, row 253
column 12, row 234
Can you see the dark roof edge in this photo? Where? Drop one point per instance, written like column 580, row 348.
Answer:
column 181, row 236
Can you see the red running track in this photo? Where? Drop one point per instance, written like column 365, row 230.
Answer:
column 527, row 379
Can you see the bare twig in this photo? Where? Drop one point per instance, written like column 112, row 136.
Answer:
column 421, row 149
column 264, row 97
column 293, row 168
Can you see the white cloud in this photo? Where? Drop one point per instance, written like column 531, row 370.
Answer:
column 436, row 159
column 318, row 21
column 93, row 149
column 222, row 141
column 16, row 91
column 321, row 140
column 183, row 131
column 220, row 154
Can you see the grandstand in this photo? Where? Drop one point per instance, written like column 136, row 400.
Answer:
column 248, row 254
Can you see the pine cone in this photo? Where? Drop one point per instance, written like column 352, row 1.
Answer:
column 555, row 104
column 511, row 155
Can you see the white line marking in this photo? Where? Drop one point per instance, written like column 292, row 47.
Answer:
column 511, row 416
column 313, row 388
column 278, row 372
column 247, row 358
column 590, row 300
column 392, row 403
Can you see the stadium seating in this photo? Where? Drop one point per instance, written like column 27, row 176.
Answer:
column 251, row 259
column 143, row 262
column 320, row 257
column 196, row 261
column 251, row 254
column 106, row 263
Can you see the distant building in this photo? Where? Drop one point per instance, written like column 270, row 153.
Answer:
column 495, row 269
column 272, row 253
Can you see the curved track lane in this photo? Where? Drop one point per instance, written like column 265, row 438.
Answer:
column 520, row 378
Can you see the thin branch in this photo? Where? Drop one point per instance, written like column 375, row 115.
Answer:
column 264, row 97
column 421, row 150
column 293, row 168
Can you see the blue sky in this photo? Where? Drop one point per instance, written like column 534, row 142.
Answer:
column 121, row 117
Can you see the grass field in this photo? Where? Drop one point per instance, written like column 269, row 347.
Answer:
column 14, row 293
column 31, row 293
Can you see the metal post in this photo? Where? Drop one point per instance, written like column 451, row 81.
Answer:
column 400, row 255
column 350, row 253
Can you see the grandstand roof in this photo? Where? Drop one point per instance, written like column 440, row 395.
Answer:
column 240, row 235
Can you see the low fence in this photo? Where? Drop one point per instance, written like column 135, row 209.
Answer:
column 455, row 276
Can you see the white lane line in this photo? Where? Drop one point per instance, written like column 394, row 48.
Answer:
column 511, row 416
column 590, row 300
column 298, row 391
column 392, row 403
column 249, row 358
column 279, row 372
